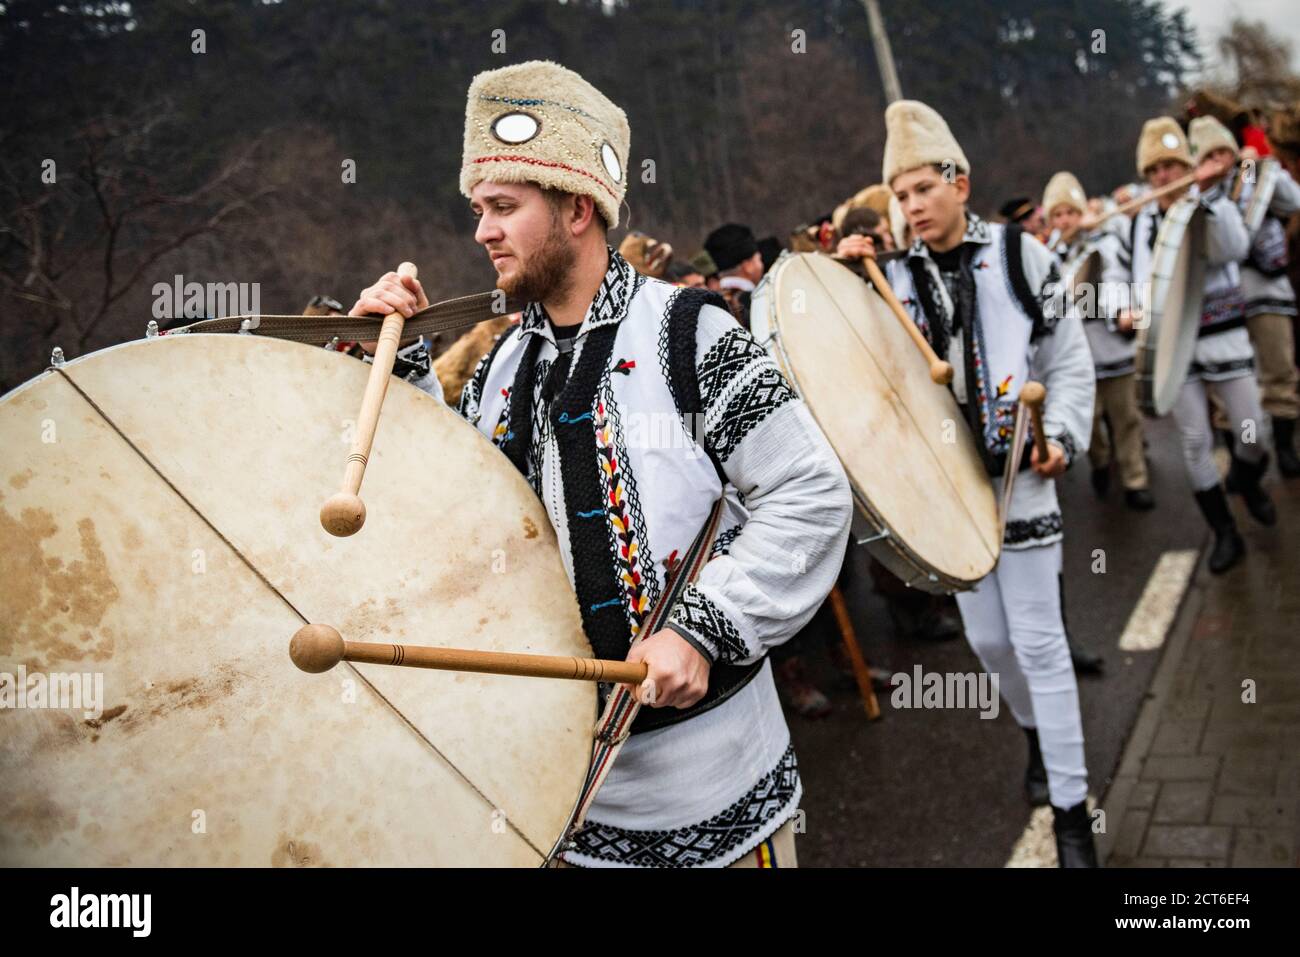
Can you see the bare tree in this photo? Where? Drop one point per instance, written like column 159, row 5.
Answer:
column 73, row 247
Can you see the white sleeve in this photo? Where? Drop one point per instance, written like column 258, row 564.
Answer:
column 1113, row 292
column 781, row 566
column 1061, row 360
column 1226, row 239
column 1286, row 196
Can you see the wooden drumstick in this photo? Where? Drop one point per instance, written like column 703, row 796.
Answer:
column 940, row 371
column 318, row 648
column 344, row 513
column 1033, row 394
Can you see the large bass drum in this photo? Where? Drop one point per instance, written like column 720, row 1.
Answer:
column 1167, row 339
column 159, row 532
column 917, row 477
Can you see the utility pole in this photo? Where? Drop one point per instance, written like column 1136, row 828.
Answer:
column 884, row 56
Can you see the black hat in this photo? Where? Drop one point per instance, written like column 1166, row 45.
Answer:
column 770, row 248
column 730, row 245
column 1014, row 210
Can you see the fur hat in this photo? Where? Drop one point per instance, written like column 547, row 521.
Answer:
column 916, row 136
column 647, row 256
column 872, row 197
column 538, row 122
column 1225, row 110
column 1064, row 189
column 1284, row 131
column 1162, row 138
column 1207, row 134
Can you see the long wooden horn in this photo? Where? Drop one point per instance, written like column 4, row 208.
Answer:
column 344, row 513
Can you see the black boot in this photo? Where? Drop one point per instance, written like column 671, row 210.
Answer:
column 1288, row 463
column 1245, row 478
column 1036, row 773
column 1101, row 481
column 1073, row 829
column 1228, row 546
column 1084, row 661
column 1139, row 499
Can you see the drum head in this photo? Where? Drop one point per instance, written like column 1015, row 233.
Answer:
column 159, row 529
column 1166, row 343
column 902, row 440
column 1084, row 270
column 1265, row 173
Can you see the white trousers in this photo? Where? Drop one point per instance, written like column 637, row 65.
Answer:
column 1240, row 397
column 1013, row 622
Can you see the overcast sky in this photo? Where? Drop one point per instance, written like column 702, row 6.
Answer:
column 1211, row 18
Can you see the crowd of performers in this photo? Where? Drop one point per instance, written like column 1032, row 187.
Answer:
column 718, row 785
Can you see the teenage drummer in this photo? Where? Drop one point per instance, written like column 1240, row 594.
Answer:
column 1065, row 205
column 980, row 292
column 1223, row 361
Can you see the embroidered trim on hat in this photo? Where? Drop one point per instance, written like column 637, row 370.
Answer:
column 536, row 162
column 532, row 101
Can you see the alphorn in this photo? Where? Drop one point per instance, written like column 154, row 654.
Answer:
column 344, row 513
column 318, row 648
column 1134, row 204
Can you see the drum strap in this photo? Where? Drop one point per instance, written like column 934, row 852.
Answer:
column 1015, row 266
column 683, row 376
column 621, row 708
column 966, row 306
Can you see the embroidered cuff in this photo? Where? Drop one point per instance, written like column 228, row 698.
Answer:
column 695, row 614
column 1066, row 441
column 701, row 644
column 1044, row 529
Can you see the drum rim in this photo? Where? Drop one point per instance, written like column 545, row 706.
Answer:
column 764, row 300
column 1184, row 215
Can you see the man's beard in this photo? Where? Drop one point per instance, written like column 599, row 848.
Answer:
column 546, row 273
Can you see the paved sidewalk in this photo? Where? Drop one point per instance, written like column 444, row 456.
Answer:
column 1207, row 778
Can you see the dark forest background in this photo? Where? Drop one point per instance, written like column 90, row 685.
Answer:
column 225, row 166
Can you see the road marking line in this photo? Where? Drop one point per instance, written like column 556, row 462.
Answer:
column 1154, row 613
column 1037, row 845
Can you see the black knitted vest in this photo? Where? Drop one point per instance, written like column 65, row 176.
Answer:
column 595, row 568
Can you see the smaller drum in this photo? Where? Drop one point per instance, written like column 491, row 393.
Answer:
column 1165, row 343
column 1082, row 270
column 1259, row 194
column 917, row 477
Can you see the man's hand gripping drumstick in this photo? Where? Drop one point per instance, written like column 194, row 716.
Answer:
column 861, row 247
column 1048, row 460
column 396, row 297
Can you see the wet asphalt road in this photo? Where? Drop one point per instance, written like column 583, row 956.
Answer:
column 943, row 787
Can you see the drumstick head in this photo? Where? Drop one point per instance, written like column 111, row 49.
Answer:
column 343, row 514
column 1033, row 393
column 316, row 648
